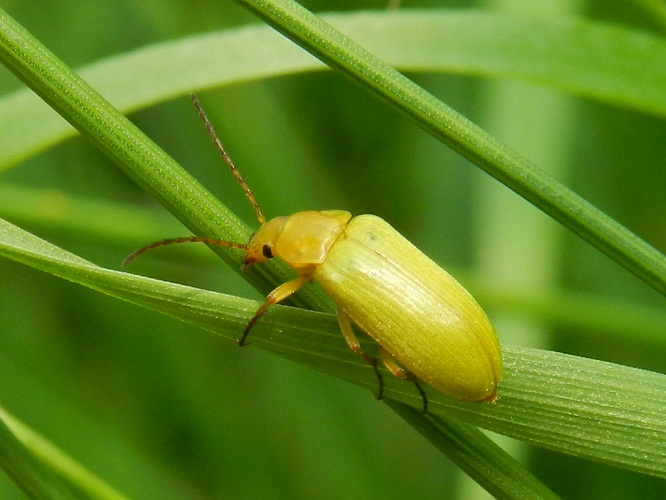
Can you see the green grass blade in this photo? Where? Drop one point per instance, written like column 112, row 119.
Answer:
column 433, row 41
column 656, row 11
column 599, row 411
column 28, row 472
column 556, row 200
column 587, row 408
column 136, row 154
column 94, row 117
column 476, row 454
column 443, row 123
column 71, row 473
column 117, row 224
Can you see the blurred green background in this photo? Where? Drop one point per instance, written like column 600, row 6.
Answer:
column 164, row 411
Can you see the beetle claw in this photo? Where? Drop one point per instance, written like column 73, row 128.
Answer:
column 424, row 398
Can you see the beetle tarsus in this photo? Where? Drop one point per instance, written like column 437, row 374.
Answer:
column 424, row 398
column 241, row 341
column 380, row 379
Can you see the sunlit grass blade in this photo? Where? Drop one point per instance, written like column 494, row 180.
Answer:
column 596, row 410
column 70, row 480
column 588, row 408
column 478, row 43
column 471, row 450
column 139, row 157
column 442, row 122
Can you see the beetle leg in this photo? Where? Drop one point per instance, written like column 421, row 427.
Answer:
column 276, row 296
column 354, row 345
column 392, row 365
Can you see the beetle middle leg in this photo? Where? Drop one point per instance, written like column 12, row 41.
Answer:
column 354, row 345
column 392, row 365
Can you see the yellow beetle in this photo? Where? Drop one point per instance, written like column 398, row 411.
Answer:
column 421, row 317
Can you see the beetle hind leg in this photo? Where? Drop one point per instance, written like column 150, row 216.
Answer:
column 392, row 365
column 354, row 345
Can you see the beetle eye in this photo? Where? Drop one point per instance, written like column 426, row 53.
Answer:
column 267, row 251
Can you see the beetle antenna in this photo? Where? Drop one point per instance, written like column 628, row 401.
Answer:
column 184, row 239
column 227, row 159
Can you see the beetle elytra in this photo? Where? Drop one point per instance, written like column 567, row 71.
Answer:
column 427, row 325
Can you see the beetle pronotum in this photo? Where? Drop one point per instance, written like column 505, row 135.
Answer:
column 422, row 318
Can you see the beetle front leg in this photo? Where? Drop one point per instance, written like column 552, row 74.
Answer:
column 391, row 365
column 354, row 345
column 275, row 297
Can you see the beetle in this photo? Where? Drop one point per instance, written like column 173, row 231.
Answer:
column 427, row 325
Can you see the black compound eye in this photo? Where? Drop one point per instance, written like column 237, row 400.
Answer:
column 267, row 251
